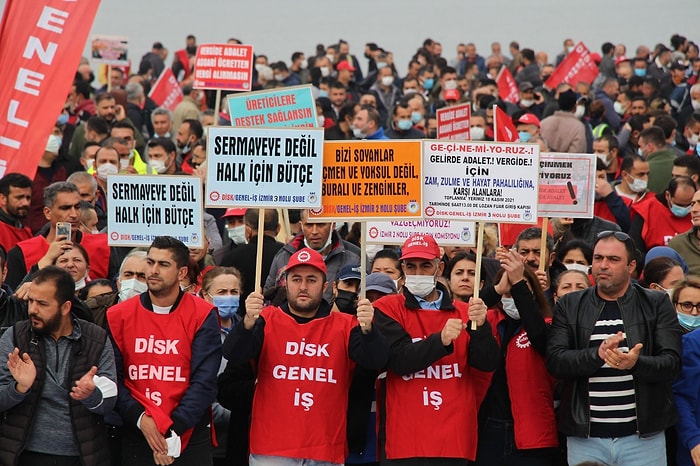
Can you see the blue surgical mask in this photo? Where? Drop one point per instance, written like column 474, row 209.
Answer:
column 524, row 136
column 404, row 125
column 428, row 84
column 322, row 93
column 227, row 305
column 688, row 321
column 416, row 117
column 640, row 72
column 679, row 211
column 62, row 119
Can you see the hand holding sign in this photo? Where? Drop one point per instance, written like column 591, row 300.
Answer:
column 253, row 308
column 365, row 314
column 477, row 311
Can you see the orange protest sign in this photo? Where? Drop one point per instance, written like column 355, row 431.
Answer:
column 371, row 180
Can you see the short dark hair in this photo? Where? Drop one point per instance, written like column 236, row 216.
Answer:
column 123, row 125
column 104, row 96
column 97, row 124
column 14, row 180
column 52, row 190
column 180, row 252
column 607, row 47
column 692, row 163
column 296, row 56
column 654, row 135
column 629, row 244
column 637, row 122
column 655, row 270
column 628, row 162
column 528, row 54
column 62, row 280
column 611, row 140
column 581, row 245
column 400, row 104
column 270, row 223
column 679, row 182
column 535, row 233
column 667, row 125
column 83, row 88
column 460, row 256
column 391, row 254
column 195, row 127
column 165, row 143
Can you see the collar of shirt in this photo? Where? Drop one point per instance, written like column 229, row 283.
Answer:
column 430, row 305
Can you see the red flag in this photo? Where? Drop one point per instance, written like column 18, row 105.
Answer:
column 166, row 91
column 508, row 232
column 577, row 66
column 503, row 127
column 507, row 87
column 41, row 42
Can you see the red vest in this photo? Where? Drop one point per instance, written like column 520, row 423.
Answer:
column 660, row 225
column 96, row 246
column 531, row 390
column 157, row 351
column 432, row 412
column 301, row 396
column 9, row 235
column 184, row 59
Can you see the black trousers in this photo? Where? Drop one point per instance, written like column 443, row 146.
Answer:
column 30, row 458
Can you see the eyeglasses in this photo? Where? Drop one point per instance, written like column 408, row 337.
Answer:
column 619, row 235
column 688, row 306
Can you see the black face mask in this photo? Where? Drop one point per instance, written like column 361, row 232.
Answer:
column 432, row 134
column 545, row 77
column 191, row 49
column 346, row 302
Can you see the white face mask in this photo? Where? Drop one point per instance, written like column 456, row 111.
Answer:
column 357, row 132
column 325, row 71
column 693, row 140
column 451, row 84
column 420, row 285
column 158, row 166
column 510, row 309
column 89, row 164
column 387, row 81
column 579, row 267
column 527, row 102
column 237, row 234
column 80, row 284
column 604, row 158
column 638, row 186
column 695, row 104
column 477, row 133
column 106, row 169
column 618, row 108
column 320, row 121
column 580, row 111
column 325, row 245
column 304, row 64
column 130, row 288
column 123, row 163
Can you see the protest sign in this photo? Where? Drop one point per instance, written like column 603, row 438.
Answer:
column 110, row 50
column 453, row 122
column 40, row 47
column 166, row 91
column 264, row 167
column 223, row 66
column 567, row 185
column 288, row 106
column 370, row 179
column 507, row 86
column 141, row 207
column 577, row 66
column 445, row 232
column 480, row 181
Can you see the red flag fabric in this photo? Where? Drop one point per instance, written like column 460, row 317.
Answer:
column 503, row 127
column 507, row 87
column 577, row 66
column 41, row 42
column 508, row 232
column 166, row 91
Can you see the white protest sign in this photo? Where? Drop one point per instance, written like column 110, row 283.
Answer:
column 445, row 232
column 264, row 167
column 567, row 185
column 110, row 50
column 141, row 207
column 480, row 181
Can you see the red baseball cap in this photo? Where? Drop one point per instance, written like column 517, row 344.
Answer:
column 345, row 65
column 620, row 59
column 234, row 213
column 420, row 247
column 452, row 94
column 307, row 256
column 529, row 119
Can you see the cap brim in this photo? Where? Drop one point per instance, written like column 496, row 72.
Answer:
column 418, row 255
column 380, row 288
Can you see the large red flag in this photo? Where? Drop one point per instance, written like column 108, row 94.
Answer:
column 40, row 46
column 576, row 67
column 507, row 87
column 503, row 127
column 166, row 91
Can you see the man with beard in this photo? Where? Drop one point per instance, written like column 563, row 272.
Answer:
column 15, row 197
column 58, row 383
column 305, row 358
column 189, row 132
column 183, row 64
column 167, row 352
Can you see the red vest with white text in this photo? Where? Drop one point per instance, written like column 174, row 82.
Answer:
column 157, row 352
column 660, row 225
column 433, row 412
column 96, row 246
column 301, row 395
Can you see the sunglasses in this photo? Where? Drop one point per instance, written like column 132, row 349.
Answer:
column 619, row 235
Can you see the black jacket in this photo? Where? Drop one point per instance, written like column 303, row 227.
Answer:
column 649, row 318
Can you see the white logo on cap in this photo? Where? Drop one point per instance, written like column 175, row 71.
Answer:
column 304, row 256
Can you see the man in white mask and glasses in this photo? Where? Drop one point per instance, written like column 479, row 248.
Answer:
column 441, row 354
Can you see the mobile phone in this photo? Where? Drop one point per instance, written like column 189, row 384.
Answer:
column 63, row 229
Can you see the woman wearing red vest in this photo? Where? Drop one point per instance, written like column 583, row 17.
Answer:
column 517, row 425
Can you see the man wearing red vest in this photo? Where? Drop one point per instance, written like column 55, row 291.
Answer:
column 441, row 352
column 167, row 351
column 183, row 64
column 15, row 197
column 305, row 358
column 61, row 204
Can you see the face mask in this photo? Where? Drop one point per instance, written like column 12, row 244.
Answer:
column 428, row 84
column 641, row 72
column 420, row 285
column 570, row 49
column 432, row 134
column 381, row 64
column 580, row 111
column 387, row 81
column 679, row 211
column 618, row 108
column 510, row 309
column 476, row 133
column 320, row 120
column 640, row 152
column 80, row 284
column 396, row 284
column 695, row 104
column 688, row 322
column 357, row 132
column 524, row 136
column 227, row 305
column 192, row 49
column 123, row 163
column 545, row 77
column 404, row 125
column 604, row 158
column 304, row 64
column 331, row 58
column 527, row 102
column 693, row 140
column 325, row 71
column 62, row 119
column 158, row 166
column 106, row 169
column 579, row 267
column 89, row 164
column 279, row 77
column 131, row 288
column 409, row 91
column 237, row 234
column 323, row 93
column 451, row 84
column 346, row 302
column 325, row 245
column 416, row 117
column 638, row 186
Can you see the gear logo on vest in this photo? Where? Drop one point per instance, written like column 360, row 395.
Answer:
column 304, row 256
column 522, row 341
